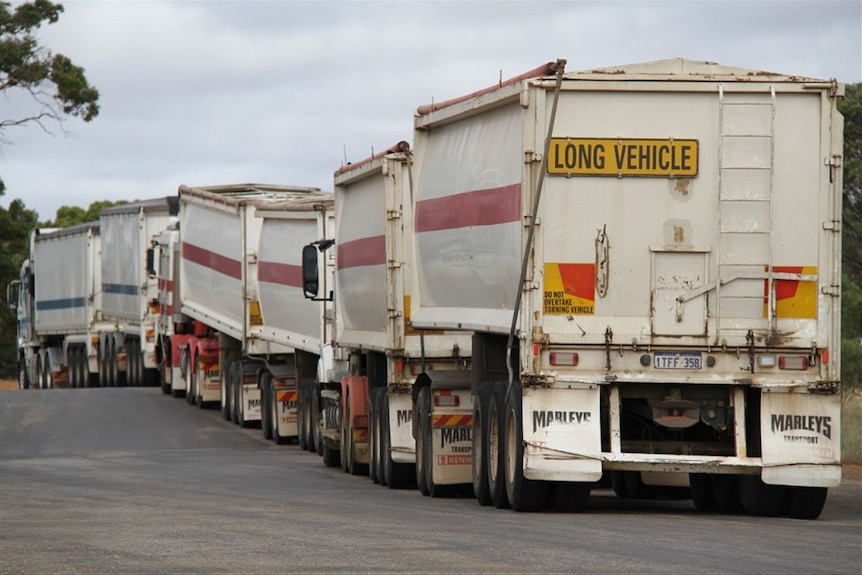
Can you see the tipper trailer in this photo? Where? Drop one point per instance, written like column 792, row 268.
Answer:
column 649, row 258
column 57, row 301
column 215, row 349
column 130, row 289
column 394, row 402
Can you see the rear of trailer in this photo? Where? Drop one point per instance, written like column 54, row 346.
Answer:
column 287, row 319
column 216, row 343
column 66, row 321
column 650, row 258
column 402, row 396
column 130, row 287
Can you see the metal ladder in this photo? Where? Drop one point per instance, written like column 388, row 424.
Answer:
column 746, row 162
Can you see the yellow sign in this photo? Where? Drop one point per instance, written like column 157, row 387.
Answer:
column 623, row 157
column 570, row 289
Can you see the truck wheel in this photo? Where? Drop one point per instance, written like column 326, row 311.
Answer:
column 570, row 496
column 726, row 493
column 758, row 498
column 524, row 494
column 495, row 442
column 383, row 454
column 301, row 416
column 267, row 407
column 480, row 442
column 23, row 375
column 224, row 382
column 421, row 444
column 47, row 379
column 72, row 366
column 132, row 363
column 805, row 502
column 374, row 436
column 701, row 491
column 83, row 372
column 200, row 376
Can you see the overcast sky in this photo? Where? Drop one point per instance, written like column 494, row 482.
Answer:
column 282, row 92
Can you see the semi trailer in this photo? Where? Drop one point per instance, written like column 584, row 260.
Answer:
column 648, row 257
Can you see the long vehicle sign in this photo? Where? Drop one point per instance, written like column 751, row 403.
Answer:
column 623, row 157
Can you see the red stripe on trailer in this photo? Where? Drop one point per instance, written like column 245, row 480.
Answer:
column 278, row 273
column 477, row 208
column 361, row 252
column 284, row 396
column 209, row 259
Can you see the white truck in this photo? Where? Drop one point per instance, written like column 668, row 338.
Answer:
column 57, row 302
column 287, row 319
column 214, row 352
column 649, row 258
column 128, row 351
column 396, row 402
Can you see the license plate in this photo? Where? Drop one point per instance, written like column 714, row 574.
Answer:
column 677, row 360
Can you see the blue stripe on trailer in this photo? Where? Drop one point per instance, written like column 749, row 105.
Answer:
column 121, row 289
column 54, row 304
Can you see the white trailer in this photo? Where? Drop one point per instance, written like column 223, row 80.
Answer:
column 396, row 402
column 57, row 300
column 130, row 289
column 215, row 352
column 649, row 256
column 287, row 319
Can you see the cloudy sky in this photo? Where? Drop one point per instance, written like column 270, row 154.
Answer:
column 283, row 92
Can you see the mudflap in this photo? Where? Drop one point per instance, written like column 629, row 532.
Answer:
column 286, row 406
column 562, row 433
column 800, row 438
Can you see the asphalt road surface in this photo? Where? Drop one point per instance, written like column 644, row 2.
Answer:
column 128, row 480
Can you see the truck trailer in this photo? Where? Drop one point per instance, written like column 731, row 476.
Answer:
column 214, row 350
column 648, row 257
column 128, row 352
column 395, row 402
column 57, row 300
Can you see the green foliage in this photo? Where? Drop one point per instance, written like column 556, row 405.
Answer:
column 15, row 226
column 58, row 86
column 72, row 215
column 851, row 108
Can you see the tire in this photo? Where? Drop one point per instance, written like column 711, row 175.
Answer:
column 72, row 366
column 302, row 431
column 758, row 498
column 23, row 375
column 267, row 406
column 235, row 382
column 39, row 380
column 374, row 423
column 524, row 494
column 635, row 487
column 421, row 446
column 805, row 502
column 226, row 391
column 618, row 484
column 480, row 444
column 701, row 491
column 132, row 363
column 331, row 457
column 199, row 375
column 570, row 496
column 119, row 377
column 47, row 380
column 495, row 446
column 726, row 493
column 83, row 372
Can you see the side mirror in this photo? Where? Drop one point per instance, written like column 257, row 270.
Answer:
column 151, row 262
column 310, row 279
column 12, row 295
